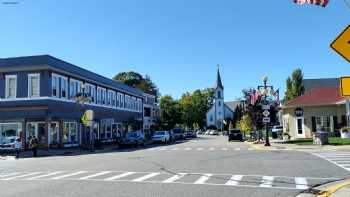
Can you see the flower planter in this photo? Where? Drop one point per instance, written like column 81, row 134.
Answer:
column 345, row 134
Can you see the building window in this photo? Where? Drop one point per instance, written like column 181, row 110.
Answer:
column 323, row 123
column 75, row 87
column 113, row 102
column 9, row 131
column 219, row 94
column 11, row 86
column 99, row 95
column 54, row 138
column 219, row 103
column 104, row 97
column 33, row 85
column 64, row 87
column 55, row 85
column 127, row 101
column 147, row 112
column 70, row 133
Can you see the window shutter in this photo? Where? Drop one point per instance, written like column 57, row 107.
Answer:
column 335, row 123
column 313, row 123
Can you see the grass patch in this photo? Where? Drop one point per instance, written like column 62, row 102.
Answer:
column 304, row 141
column 338, row 141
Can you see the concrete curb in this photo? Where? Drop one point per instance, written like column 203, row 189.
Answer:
column 327, row 190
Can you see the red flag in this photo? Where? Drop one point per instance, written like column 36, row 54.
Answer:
column 322, row 3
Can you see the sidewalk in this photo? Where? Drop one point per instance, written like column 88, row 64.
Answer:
column 334, row 189
column 60, row 152
column 278, row 145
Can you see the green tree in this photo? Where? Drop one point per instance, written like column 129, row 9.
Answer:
column 246, row 124
column 136, row 80
column 294, row 85
column 170, row 112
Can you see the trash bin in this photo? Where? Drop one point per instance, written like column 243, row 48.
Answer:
column 320, row 138
column 274, row 135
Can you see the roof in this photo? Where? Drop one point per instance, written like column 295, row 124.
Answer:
column 50, row 62
column 233, row 104
column 218, row 83
column 310, row 84
column 317, row 97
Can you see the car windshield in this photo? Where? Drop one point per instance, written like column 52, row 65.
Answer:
column 235, row 131
column 177, row 131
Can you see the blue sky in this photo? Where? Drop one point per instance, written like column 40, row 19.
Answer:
column 179, row 42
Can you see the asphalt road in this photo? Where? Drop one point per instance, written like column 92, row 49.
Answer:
column 205, row 167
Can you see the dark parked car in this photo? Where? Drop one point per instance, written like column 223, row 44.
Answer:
column 191, row 134
column 134, row 138
column 178, row 134
column 235, row 134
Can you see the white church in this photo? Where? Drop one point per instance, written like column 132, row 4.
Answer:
column 220, row 110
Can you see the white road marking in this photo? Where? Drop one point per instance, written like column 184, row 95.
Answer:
column 199, row 148
column 11, row 174
column 95, row 175
column 250, row 148
column 45, row 175
column 188, row 148
column 211, row 149
column 267, row 181
column 119, row 176
column 301, row 183
column 175, row 149
column 234, row 180
column 203, row 179
column 21, row 176
column 237, row 148
column 148, row 176
column 335, row 157
column 68, row 175
column 174, row 178
column 224, row 149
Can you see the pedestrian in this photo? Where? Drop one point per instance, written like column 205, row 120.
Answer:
column 18, row 146
column 34, row 145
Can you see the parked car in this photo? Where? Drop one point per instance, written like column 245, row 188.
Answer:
column 235, row 134
column 214, row 132
column 191, row 134
column 161, row 136
column 277, row 131
column 178, row 134
column 200, row 132
column 8, row 144
column 207, row 132
column 133, row 138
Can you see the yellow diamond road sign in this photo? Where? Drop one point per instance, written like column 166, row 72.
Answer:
column 342, row 44
column 345, row 86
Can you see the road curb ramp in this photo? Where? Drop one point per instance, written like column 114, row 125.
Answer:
column 333, row 189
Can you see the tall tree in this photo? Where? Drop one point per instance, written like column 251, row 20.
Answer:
column 135, row 79
column 170, row 112
column 294, row 85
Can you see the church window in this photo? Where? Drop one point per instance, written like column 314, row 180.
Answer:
column 219, row 94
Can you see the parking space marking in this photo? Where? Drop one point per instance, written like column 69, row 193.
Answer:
column 148, row 176
column 68, row 175
column 119, row 176
column 44, row 175
column 95, row 175
column 174, row 178
column 21, row 176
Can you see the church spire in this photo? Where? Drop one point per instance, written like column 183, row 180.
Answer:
column 218, row 79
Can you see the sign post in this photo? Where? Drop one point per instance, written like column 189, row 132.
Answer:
column 345, row 92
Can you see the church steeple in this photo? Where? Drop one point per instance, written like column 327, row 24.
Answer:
column 218, row 79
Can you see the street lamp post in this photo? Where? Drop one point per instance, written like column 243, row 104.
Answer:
column 267, row 140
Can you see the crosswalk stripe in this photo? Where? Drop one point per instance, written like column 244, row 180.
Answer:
column 174, row 178
column 237, row 148
column 68, row 175
column 211, row 148
column 119, row 176
column 301, row 183
column 224, row 149
column 188, row 148
column 199, row 148
column 21, row 176
column 95, row 175
column 148, row 176
column 44, row 175
column 267, row 181
column 11, row 174
column 234, row 180
column 203, row 179
column 175, row 149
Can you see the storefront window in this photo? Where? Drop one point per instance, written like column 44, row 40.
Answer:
column 9, row 132
column 70, row 133
column 54, row 133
